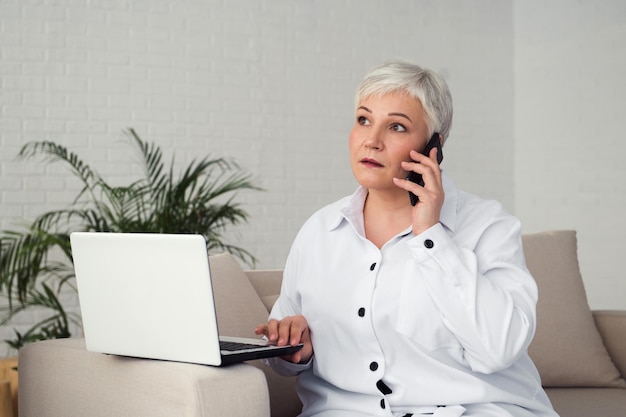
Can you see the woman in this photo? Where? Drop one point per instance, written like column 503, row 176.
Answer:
column 408, row 310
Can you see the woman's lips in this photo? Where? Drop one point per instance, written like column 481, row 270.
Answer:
column 371, row 163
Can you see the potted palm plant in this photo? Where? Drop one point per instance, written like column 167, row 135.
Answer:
column 36, row 263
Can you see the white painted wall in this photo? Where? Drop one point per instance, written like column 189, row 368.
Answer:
column 271, row 84
column 570, row 63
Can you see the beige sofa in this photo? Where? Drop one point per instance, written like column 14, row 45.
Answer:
column 581, row 355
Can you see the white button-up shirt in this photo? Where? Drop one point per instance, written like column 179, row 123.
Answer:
column 440, row 319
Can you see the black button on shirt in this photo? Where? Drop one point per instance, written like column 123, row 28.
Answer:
column 382, row 387
column 429, row 244
column 361, row 312
column 373, row 366
column 372, row 266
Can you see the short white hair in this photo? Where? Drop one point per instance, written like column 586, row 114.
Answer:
column 422, row 84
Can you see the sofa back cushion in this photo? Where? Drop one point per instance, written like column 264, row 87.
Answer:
column 567, row 349
column 267, row 283
column 239, row 308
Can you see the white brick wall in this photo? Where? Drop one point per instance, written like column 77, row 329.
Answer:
column 270, row 84
column 569, row 132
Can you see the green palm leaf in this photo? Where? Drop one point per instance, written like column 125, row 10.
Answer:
column 200, row 200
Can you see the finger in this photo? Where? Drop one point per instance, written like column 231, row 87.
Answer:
column 423, row 193
column 261, row 329
column 433, row 154
column 284, row 331
column 294, row 357
column 428, row 167
column 298, row 328
column 427, row 160
column 407, row 185
column 305, row 353
column 272, row 330
column 420, row 168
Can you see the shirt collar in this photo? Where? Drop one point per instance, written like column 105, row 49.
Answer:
column 352, row 208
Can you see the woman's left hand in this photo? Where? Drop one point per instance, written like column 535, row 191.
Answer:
column 427, row 211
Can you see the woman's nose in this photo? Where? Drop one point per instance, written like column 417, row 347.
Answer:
column 374, row 139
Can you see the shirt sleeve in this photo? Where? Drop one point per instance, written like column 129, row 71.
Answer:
column 288, row 302
column 286, row 305
column 484, row 293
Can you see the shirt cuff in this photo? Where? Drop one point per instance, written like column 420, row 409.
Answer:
column 426, row 245
column 286, row 368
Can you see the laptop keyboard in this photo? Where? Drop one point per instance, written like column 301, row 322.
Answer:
column 235, row 346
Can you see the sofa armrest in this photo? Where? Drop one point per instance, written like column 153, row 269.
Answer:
column 59, row 378
column 267, row 284
column 612, row 327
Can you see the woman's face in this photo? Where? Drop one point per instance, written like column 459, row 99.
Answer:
column 386, row 129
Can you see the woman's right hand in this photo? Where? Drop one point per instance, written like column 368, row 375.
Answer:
column 291, row 330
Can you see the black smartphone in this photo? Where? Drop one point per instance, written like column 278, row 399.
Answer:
column 434, row 142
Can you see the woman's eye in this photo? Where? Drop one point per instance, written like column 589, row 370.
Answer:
column 362, row 120
column 397, row 127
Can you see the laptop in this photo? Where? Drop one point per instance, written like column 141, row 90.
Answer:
column 149, row 295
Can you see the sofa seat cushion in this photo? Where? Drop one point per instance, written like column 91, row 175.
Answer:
column 567, row 349
column 612, row 327
column 586, row 402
